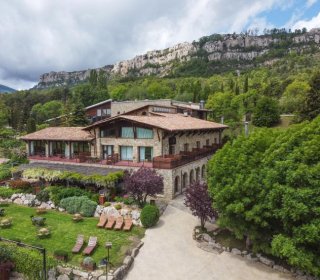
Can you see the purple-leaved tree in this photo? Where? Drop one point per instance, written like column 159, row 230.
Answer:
column 199, row 202
column 143, row 183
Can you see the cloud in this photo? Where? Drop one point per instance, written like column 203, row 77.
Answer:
column 309, row 24
column 310, row 3
column 39, row 36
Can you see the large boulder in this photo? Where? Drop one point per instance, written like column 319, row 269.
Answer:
column 111, row 211
column 135, row 214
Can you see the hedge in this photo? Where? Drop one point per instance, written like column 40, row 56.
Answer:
column 108, row 180
column 28, row 261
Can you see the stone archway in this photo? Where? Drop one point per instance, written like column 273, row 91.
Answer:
column 191, row 177
column 176, row 184
column 203, row 171
column 198, row 174
column 184, row 180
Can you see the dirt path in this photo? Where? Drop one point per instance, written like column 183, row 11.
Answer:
column 170, row 253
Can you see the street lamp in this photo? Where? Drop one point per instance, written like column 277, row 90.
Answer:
column 106, row 261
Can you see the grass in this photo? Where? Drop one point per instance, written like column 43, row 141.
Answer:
column 64, row 233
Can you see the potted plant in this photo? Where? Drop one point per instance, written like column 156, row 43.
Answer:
column 61, row 255
column 6, row 223
column 43, row 233
column 77, row 217
column 6, row 264
column 88, row 263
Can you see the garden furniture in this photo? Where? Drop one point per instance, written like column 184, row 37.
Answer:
column 110, row 223
column 91, row 245
column 127, row 224
column 79, row 243
column 103, row 220
column 119, row 223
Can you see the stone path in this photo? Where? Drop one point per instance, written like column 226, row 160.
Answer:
column 170, row 253
column 82, row 169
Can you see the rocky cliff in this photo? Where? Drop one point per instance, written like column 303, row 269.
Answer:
column 228, row 47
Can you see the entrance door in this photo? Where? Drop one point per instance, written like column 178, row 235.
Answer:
column 107, row 150
column 126, row 152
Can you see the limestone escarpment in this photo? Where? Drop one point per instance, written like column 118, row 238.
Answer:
column 228, row 47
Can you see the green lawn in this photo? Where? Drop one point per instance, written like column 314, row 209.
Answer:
column 64, row 232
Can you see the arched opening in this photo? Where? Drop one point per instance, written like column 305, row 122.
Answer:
column 176, row 184
column 203, row 172
column 184, row 180
column 191, row 180
column 198, row 174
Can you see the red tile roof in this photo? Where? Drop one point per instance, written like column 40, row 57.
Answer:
column 169, row 122
column 60, row 134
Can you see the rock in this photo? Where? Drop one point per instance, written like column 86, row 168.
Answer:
column 266, row 261
column 128, row 260
column 64, row 270
column 80, row 273
column 250, row 257
column 206, row 237
column 14, row 196
column 119, row 273
column 30, row 197
column 97, row 273
column 63, row 277
column 135, row 252
column 140, row 244
column 124, row 212
column 60, row 209
column 111, row 211
column 135, row 215
column 235, row 251
column 52, row 274
column 26, row 202
column 280, row 268
column 18, row 201
column 243, row 253
column 45, row 205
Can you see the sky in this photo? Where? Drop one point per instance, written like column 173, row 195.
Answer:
column 39, row 36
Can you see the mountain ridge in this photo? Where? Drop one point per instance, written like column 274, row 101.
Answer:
column 6, row 89
column 235, row 49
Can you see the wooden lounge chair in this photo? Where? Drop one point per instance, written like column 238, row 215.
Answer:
column 79, row 243
column 91, row 245
column 103, row 220
column 119, row 223
column 127, row 224
column 110, row 223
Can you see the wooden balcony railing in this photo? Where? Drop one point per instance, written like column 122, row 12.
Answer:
column 173, row 161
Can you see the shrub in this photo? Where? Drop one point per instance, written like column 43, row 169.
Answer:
column 5, row 254
column 106, row 204
column 28, row 262
column 81, row 204
column 5, row 173
column 128, row 200
column 149, row 215
column 118, row 206
column 6, row 192
column 88, row 263
column 24, row 186
column 59, row 193
column 43, row 196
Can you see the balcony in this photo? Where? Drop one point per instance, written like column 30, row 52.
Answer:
column 173, row 161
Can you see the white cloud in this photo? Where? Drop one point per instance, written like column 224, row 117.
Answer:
column 310, row 3
column 39, row 36
column 309, row 24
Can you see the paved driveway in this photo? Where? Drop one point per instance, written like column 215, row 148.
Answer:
column 170, row 253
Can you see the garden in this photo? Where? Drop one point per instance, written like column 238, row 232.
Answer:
column 51, row 208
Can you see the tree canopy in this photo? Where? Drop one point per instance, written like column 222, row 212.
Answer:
column 266, row 188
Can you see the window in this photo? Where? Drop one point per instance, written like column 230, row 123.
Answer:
column 161, row 109
column 80, row 147
column 57, row 148
column 207, row 142
column 111, row 132
column 186, row 147
column 127, row 132
column 99, row 112
column 144, row 133
column 198, row 144
column 126, row 152
column 145, row 153
column 107, row 151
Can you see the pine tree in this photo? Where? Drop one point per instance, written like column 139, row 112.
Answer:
column 78, row 115
column 102, row 79
column 93, row 78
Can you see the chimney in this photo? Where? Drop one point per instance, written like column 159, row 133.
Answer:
column 201, row 104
